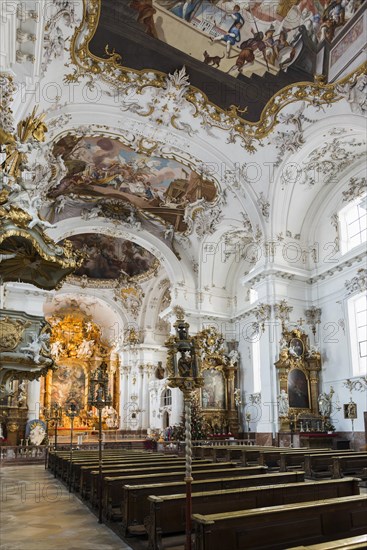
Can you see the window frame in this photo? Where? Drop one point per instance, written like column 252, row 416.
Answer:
column 359, row 362
column 345, row 237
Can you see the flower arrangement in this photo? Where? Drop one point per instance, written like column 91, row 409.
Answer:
column 328, row 426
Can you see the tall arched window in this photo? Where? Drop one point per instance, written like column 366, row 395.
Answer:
column 166, row 398
column 357, row 314
column 353, row 224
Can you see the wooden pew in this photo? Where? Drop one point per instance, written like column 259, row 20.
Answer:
column 111, row 461
column 273, row 458
column 342, row 465
column 351, row 543
column 83, row 471
column 280, row 527
column 115, row 477
column 60, row 460
column 56, row 459
column 247, row 455
column 135, row 505
column 78, row 463
column 320, row 464
column 167, row 513
column 294, row 458
column 227, row 452
column 113, row 486
column 64, row 469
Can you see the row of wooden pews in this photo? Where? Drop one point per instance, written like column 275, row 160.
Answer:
column 236, row 505
column 298, row 514
column 166, row 512
column 317, row 463
column 279, row 527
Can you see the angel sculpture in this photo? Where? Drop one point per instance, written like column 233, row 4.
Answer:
column 33, row 349
column 86, row 348
column 21, row 199
column 56, row 349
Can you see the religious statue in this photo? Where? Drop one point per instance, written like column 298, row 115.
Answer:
column 37, row 433
column 22, row 394
column 110, row 417
column 185, row 363
column 313, row 352
column 324, row 401
column 283, row 404
column 34, row 348
column 159, row 373
column 56, row 349
column 233, row 357
column 20, row 198
column 86, row 348
column 182, row 332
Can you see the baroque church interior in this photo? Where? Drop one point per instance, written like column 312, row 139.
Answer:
column 183, row 274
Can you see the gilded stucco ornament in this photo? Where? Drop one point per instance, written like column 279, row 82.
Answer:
column 75, row 336
column 210, row 344
column 27, row 254
column 11, row 332
column 24, row 346
column 125, row 80
column 15, row 147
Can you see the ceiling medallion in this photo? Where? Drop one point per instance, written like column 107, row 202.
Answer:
column 111, row 71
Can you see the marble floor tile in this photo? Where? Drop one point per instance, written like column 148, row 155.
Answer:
column 38, row 513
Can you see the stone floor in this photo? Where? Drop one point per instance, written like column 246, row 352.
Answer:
column 38, row 513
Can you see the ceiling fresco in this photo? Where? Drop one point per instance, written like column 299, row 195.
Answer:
column 103, row 168
column 237, row 53
column 235, row 35
column 110, row 258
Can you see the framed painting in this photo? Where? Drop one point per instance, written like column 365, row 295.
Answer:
column 350, row 410
column 213, row 391
column 296, row 347
column 298, row 390
column 69, row 381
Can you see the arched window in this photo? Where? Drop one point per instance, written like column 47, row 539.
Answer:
column 357, row 314
column 166, row 398
column 353, row 224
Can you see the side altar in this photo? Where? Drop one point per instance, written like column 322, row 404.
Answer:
column 217, row 397
column 301, row 406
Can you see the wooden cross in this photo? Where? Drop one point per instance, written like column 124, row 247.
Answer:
column 300, row 321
